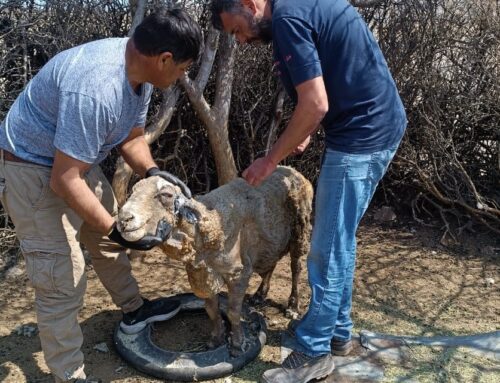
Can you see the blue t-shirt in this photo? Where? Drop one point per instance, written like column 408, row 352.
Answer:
column 329, row 38
column 80, row 103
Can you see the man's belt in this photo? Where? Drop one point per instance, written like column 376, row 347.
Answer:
column 8, row 156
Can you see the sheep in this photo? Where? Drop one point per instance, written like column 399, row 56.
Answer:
column 225, row 235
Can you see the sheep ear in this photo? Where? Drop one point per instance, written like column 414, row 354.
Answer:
column 183, row 208
column 189, row 214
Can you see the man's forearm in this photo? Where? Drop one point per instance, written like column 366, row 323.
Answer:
column 83, row 201
column 303, row 123
column 137, row 155
column 311, row 109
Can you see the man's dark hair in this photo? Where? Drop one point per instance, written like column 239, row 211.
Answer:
column 219, row 6
column 169, row 30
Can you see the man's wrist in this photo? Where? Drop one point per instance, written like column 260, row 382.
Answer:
column 271, row 158
column 151, row 170
column 110, row 230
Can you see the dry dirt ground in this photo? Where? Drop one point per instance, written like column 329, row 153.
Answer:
column 406, row 283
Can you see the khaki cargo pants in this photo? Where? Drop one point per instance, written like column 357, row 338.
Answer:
column 50, row 234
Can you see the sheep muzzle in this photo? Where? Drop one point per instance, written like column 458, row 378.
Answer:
column 151, row 202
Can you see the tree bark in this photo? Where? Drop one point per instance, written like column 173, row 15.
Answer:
column 138, row 10
column 123, row 172
column 216, row 118
column 277, row 117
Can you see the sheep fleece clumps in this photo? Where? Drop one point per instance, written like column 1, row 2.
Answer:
column 224, row 236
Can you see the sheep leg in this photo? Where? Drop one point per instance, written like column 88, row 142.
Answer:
column 293, row 302
column 217, row 333
column 260, row 295
column 236, row 292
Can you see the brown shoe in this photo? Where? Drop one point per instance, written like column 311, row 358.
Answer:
column 340, row 347
column 300, row 368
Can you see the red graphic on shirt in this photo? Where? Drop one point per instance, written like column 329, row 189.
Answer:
column 275, row 68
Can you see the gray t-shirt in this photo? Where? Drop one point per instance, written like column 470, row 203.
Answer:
column 80, row 103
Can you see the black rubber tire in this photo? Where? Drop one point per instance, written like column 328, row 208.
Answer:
column 140, row 352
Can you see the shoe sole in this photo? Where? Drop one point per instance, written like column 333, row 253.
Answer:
column 324, row 376
column 135, row 328
column 321, row 377
column 345, row 352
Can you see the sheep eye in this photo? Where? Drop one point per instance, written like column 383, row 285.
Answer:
column 164, row 196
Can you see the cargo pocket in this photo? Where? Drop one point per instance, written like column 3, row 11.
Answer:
column 40, row 270
column 55, row 273
column 69, row 274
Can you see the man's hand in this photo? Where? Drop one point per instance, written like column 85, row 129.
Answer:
column 259, row 170
column 170, row 178
column 302, row 147
column 145, row 243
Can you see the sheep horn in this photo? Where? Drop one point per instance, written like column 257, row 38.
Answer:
column 183, row 209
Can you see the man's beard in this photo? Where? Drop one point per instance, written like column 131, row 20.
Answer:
column 262, row 30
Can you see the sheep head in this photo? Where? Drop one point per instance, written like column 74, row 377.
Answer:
column 153, row 199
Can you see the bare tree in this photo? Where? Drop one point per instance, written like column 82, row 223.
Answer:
column 216, row 117
column 123, row 172
column 442, row 53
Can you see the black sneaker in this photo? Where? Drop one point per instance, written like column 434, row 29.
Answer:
column 300, row 368
column 149, row 312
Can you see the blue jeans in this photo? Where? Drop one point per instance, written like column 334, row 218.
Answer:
column 345, row 187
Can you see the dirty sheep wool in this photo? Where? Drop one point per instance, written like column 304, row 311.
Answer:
column 224, row 236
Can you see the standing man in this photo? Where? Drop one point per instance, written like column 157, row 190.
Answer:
column 332, row 67
column 82, row 103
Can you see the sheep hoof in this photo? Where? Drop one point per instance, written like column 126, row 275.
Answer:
column 291, row 314
column 142, row 353
column 238, row 350
column 215, row 342
column 256, row 300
